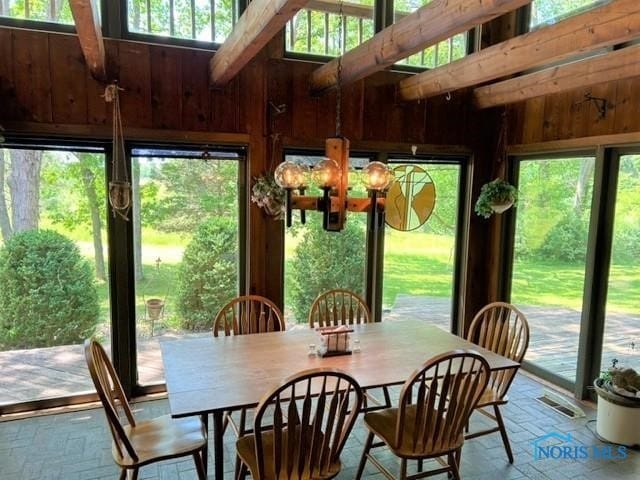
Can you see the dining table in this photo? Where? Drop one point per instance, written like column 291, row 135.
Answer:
column 210, row 376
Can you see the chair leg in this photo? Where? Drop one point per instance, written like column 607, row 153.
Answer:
column 420, row 465
column 197, row 459
column 243, row 421
column 403, row 469
column 134, row 474
column 387, row 397
column 242, row 473
column 453, row 463
column 123, row 474
column 363, row 460
column 503, row 433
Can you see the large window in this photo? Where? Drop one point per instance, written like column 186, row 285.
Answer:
column 622, row 323
column 317, row 260
column 441, row 53
column 317, row 29
column 53, row 270
column 186, row 244
column 552, row 11
column 419, row 264
column 204, row 20
column 552, row 225
column 55, row 11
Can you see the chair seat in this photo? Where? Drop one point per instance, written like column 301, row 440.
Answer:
column 246, row 447
column 491, row 397
column 162, row 438
column 383, row 424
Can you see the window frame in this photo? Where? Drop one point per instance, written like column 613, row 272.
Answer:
column 597, row 263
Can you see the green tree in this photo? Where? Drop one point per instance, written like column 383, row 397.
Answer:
column 208, row 275
column 48, row 296
column 326, row 260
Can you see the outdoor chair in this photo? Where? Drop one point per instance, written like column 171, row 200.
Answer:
column 344, row 307
column 503, row 329
column 308, row 420
column 139, row 443
column 434, row 406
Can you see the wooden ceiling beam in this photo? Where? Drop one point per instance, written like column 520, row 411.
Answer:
column 348, row 8
column 436, row 21
column 87, row 19
column 609, row 67
column 611, row 24
column 260, row 22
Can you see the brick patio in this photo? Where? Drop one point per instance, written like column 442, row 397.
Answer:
column 49, row 372
column 76, row 446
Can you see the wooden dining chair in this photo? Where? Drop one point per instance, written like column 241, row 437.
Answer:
column 139, row 443
column 503, row 329
column 434, row 407
column 344, row 307
column 338, row 307
column 309, row 418
column 248, row 314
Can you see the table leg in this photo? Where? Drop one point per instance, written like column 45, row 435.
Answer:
column 218, row 433
column 205, row 450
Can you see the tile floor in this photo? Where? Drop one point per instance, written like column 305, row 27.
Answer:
column 76, row 446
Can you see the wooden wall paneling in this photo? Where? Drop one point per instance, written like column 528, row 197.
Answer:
column 32, row 75
column 414, row 122
column 533, row 121
column 597, row 125
column 555, row 108
column 374, row 116
column 68, row 80
column 304, row 107
column 166, row 87
column 352, row 110
column 627, row 106
column 195, row 93
column 7, row 85
column 98, row 111
column 135, row 78
column 326, row 115
column 225, row 105
column 280, row 92
column 515, row 117
column 435, row 119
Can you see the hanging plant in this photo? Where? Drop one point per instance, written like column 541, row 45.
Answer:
column 119, row 186
column 496, row 196
column 267, row 194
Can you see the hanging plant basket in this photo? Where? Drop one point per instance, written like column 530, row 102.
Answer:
column 154, row 308
column 268, row 195
column 497, row 196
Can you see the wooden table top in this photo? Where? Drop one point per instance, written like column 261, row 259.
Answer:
column 210, row 374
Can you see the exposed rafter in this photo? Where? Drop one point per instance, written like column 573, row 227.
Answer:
column 427, row 26
column 348, row 8
column 259, row 23
column 609, row 67
column 611, row 24
column 87, row 19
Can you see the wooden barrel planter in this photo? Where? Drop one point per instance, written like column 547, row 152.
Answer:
column 618, row 417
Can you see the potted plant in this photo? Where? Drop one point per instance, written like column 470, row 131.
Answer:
column 496, row 196
column 267, row 194
column 618, row 415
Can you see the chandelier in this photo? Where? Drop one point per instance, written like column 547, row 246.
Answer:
column 333, row 176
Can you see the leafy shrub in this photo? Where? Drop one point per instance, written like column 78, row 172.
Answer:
column 208, row 275
column 47, row 292
column 626, row 243
column 567, row 240
column 323, row 261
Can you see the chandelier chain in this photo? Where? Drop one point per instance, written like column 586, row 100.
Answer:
column 342, row 47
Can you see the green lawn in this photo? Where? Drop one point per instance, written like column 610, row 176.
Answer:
column 417, row 264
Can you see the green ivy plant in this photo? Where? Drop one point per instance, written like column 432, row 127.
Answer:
column 493, row 193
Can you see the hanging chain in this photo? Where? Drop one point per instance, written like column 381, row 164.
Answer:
column 342, row 46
